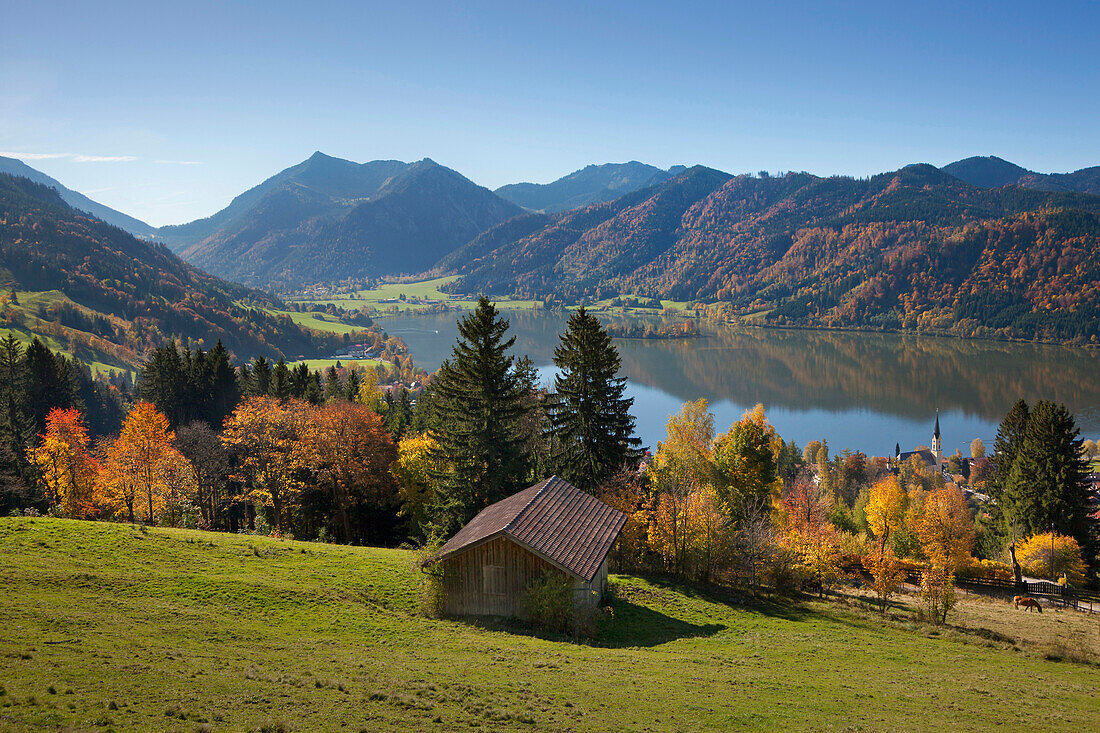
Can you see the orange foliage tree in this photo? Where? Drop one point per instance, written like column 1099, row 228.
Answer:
column 266, row 434
column 142, row 468
column 66, row 468
column 350, row 453
column 811, row 540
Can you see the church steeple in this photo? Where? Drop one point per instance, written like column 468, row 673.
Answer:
column 937, row 443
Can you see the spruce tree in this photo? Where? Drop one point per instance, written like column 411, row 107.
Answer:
column 333, row 389
column 1046, row 484
column 591, row 426
column 260, row 383
column 16, row 433
column 480, row 407
column 280, row 381
column 1010, row 436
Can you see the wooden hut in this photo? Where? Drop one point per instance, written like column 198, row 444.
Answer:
column 551, row 527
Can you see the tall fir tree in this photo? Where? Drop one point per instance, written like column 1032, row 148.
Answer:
column 16, row 428
column 1046, row 484
column 480, row 406
column 1010, row 436
column 590, row 423
column 281, row 386
column 260, row 383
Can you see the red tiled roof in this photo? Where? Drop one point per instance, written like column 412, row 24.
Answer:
column 554, row 519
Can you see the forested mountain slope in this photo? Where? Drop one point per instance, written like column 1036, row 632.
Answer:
column 78, row 200
column 327, row 220
column 916, row 249
column 103, row 294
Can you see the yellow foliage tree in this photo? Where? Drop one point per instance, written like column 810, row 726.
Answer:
column 946, row 529
column 369, row 394
column 413, row 471
column 66, row 468
column 1034, row 554
column 268, row 439
column 885, row 509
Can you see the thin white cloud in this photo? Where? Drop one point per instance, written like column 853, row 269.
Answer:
column 177, row 162
column 35, row 156
column 75, row 157
column 104, row 158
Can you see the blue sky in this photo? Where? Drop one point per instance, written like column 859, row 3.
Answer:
column 168, row 112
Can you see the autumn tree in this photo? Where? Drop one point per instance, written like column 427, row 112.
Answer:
column 590, row 422
column 1035, row 555
column 142, row 463
column 682, row 476
column 264, row 436
column 946, row 529
column 413, row 473
column 977, row 449
column 350, row 453
column 746, row 461
column 812, row 541
column 202, row 447
column 66, row 467
column 887, row 575
column 885, row 510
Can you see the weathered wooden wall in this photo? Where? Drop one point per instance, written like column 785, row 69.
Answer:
column 489, row 580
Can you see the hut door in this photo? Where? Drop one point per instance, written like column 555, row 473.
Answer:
column 492, row 580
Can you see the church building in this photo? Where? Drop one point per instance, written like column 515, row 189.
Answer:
column 932, row 457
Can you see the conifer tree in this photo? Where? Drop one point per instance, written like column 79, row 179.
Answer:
column 480, row 407
column 260, row 383
column 280, row 381
column 1010, row 436
column 1046, row 484
column 333, row 388
column 590, row 422
column 16, row 431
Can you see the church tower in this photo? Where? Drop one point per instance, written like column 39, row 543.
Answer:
column 937, row 443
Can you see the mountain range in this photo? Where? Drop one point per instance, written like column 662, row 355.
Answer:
column 915, row 249
column 103, row 295
column 589, row 185
column 981, row 246
column 328, row 219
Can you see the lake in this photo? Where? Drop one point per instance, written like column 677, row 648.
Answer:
column 863, row 391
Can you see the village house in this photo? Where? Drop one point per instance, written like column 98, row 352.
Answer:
column 551, row 527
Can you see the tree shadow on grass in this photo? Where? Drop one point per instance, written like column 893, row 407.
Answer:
column 788, row 608
column 635, row 625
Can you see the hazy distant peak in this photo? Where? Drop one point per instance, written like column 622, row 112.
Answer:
column 591, row 184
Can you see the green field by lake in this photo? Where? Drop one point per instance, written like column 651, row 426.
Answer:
column 108, row 626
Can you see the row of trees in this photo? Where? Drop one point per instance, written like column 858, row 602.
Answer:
column 334, row 456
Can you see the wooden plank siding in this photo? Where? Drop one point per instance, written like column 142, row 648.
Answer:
column 489, row 579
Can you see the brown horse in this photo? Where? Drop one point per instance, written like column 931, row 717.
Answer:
column 1028, row 603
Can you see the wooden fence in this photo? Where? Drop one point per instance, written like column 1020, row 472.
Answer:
column 1078, row 598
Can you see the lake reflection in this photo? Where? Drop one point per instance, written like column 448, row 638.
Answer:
column 861, row 391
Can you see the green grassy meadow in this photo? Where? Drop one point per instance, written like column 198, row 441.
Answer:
column 111, row 627
column 421, row 289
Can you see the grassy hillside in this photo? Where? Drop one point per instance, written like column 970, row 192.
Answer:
column 109, row 626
